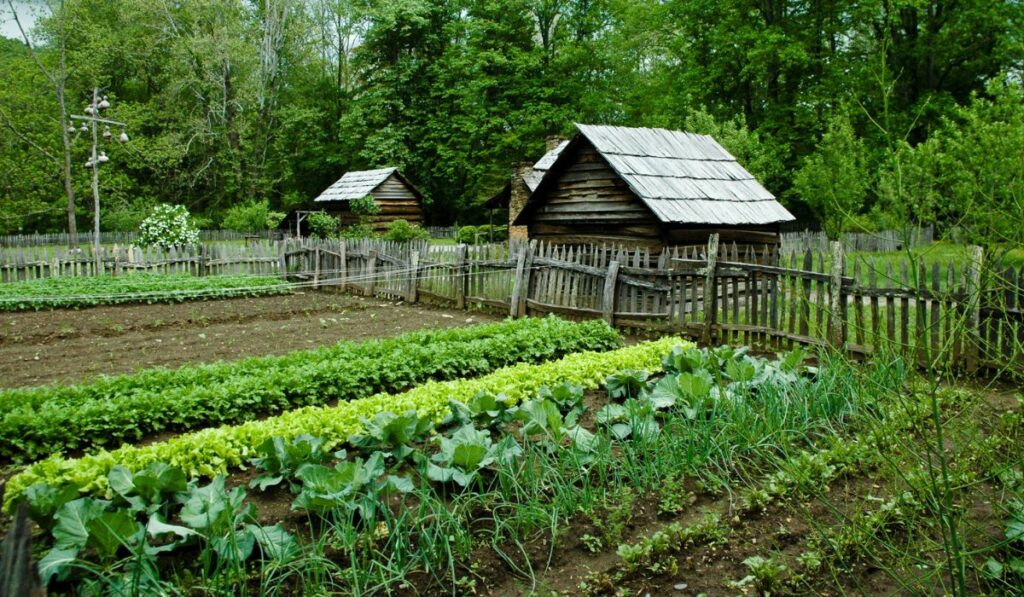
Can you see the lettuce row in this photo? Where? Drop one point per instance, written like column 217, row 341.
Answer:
column 212, row 451
column 69, row 291
column 37, row 423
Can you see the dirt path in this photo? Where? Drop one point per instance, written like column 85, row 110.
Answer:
column 66, row 346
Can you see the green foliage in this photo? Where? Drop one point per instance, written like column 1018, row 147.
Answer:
column 461, row 457
column 323, row 224
column 279, row 459
column 87, row 291
column 481, row 235
column 214, row 521
column 35, row 422
column 213, row 450
column 364, row 206
column 966, row 176
column 834, row 179
column 253, row 216
column 168, row 226
column 403, row 231
column 392, row 435
column 352, row 485
column 358, row 230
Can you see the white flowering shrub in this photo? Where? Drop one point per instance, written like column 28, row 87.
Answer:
column 168, row 226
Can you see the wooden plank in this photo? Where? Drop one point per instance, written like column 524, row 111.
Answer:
column 608, row 295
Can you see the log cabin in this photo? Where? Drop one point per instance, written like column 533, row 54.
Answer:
column 397, row 198
column 642, row 187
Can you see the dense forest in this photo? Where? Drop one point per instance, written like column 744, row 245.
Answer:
column 858, row 114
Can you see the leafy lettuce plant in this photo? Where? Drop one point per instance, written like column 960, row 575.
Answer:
column 462, row 457
column 279, row 459
column 393, row 435
column 626, row 384
column 484, row 409
column 351, row 485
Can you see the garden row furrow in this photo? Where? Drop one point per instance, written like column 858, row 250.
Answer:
column 37, row 422
column 73, row 292
column 212, row 451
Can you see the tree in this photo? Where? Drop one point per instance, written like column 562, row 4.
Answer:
column 834, row 179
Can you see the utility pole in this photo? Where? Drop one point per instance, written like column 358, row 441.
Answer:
column 98, row 157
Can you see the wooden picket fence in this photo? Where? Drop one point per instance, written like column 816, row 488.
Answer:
column 84, row 239
column 30, row 263
column 957, row 315
column 869, row 242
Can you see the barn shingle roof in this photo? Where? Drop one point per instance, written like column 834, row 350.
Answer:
column 682, row 177
column 355, row 185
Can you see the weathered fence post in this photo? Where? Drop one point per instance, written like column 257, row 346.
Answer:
column 517, row 286
column 316, row 267
column 710, row 302
column 371, row 272
column 283, row 260
column 524, row 281
column 461, row 274
column 974, row 308
column 837, row 300
column 18, row 577
column 414, row 270
column 201, row 264
column 342, row 264
column 611, row 280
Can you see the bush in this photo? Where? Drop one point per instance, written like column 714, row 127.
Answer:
column 365, row 206
column 168, row 226
column 251, row 217
column 126, row 216
column 466, row 235
column 323, row 225
column 479, row 235
column 360, row 230
column 403, row 231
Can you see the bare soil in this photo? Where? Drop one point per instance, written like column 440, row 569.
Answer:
column 68, row 346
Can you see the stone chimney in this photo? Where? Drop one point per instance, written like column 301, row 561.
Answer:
column 517, row 199
column 552, row 142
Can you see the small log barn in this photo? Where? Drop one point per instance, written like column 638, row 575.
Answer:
column 396, row 197
column 641, row 187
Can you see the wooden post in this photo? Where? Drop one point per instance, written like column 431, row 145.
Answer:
column 837, row 300
column 414, row 270
column 342, row 264
column 710, row 302
column 18, row 574
column 460, row 276
column 283, row 260
column 316, row 267
column 974, row 308
column 517, row 287
column 371, row 272
column 525, row 280
column 611, row 280
column 202, row 261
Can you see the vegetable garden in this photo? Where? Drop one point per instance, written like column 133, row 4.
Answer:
column 531, row 456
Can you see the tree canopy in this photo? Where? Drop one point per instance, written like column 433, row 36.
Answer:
column 849, row 111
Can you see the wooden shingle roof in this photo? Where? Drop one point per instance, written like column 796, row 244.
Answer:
column 684, row 178
column 355, row 185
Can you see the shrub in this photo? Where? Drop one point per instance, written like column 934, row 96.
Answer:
column 403, row 231
column 358, row 231
column 365, row 206
column 479, row 235
column 168, row 226
column 251, row 217
column 323, row 225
